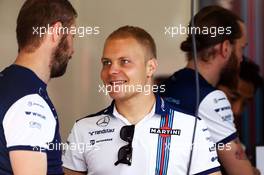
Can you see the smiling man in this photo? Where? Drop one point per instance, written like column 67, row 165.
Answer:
column 139, row 133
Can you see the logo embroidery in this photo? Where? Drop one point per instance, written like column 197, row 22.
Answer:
column 104, row 131
column 165, row 131
column 103, row 122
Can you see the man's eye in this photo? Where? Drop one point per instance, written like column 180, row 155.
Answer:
column 124, row 61
column 106, row 63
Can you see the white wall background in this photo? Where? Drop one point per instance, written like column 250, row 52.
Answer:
column 75, row 95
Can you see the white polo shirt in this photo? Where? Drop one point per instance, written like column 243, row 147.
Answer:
column 161, row 144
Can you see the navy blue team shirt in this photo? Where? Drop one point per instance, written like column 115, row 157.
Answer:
column 28, row 118
column 214, row 107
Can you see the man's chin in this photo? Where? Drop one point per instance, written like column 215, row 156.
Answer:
column 124, row 96
column 120, row 96
column 117, row 95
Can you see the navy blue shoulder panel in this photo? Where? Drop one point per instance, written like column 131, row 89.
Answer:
column 93, row 115
column 16, row 82
column 180, row 90
column 107, row 111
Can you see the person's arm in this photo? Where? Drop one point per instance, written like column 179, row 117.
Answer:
column 28, row 162
column 234, row 159
column 71, row 172
column 27, row 135
column 215, row 110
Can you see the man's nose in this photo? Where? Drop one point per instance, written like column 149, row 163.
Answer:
column 114, row 68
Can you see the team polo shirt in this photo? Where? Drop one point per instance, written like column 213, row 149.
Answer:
column 28, row 118
column 161, row 144
column 214, row 107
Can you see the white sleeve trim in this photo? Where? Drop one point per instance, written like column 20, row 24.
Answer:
column 216, row 111
column 29, row 122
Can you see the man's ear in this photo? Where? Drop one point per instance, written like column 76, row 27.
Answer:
column 55, row 32
column 226, row 49
column 152, row 65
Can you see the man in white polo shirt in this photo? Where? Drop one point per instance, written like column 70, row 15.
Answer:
column 139, row 133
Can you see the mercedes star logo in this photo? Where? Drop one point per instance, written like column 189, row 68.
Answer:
column 103, row 122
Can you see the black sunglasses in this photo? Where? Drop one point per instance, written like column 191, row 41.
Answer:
column 125, row 152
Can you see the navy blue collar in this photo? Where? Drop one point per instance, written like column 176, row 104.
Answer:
column 161, row 107
column 110, row 109
column 191, row 73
